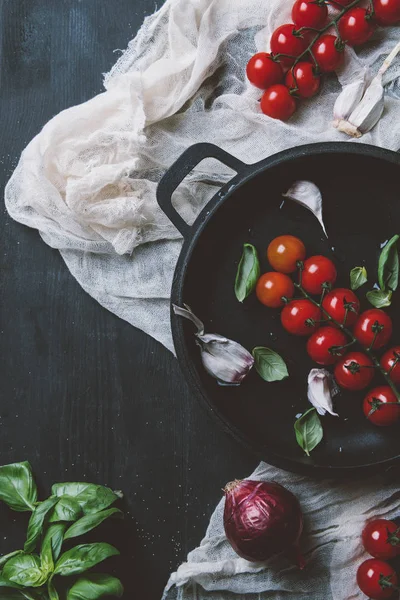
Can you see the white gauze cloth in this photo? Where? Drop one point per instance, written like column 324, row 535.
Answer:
column 87, row 182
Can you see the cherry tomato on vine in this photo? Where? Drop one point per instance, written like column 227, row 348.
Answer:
column 303, row 80
column 308, row 13
column 381, row 539
column 386, row 12
column 300, row 317
column 284, row 252
column 374, row 577
column 272, row 287
column 286, row 40
column 373, row 328
column 262, row 71
column 317, row 271
column 335, row 303
column 278, row 103
column 356, row 26
column 354, row 371
column 324, row 345
column 390, row 362
column 381, row 406
column 328, row 52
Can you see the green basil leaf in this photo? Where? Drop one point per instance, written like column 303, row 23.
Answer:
column 89, row 522
column 24, row 570
column 358, row 276
column 379, row 299
column 94, row 586
column 66, row 509
column 53, row 594
column 46, row 557
column 36, row 521
column 388, row 267
column 269, row 365
column 83, row 557
column 308, row 430
column 55, row 535
column 5, row 583
column 91, row 497
column 248, row 273
column 17, row 487
column 6, row 557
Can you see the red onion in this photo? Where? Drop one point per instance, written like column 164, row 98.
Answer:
column 262, row 519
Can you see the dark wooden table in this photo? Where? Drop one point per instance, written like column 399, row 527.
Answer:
column 83, row 395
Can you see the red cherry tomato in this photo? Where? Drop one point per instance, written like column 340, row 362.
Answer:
column 323, row 345
column 285, row 40
column 381, row 406
column 329, row 53
column 371, row 577
column 272, row 287
column 303, row 80
column 386, row 12
column 354, row 371
column 390, row 362
column 262, row 71
column 284, row 252
column 381, row 539
column 278, row 103
column 300, row 317
column 356, row 26
column 335, row 303
column 373, row 328
column 317, row 271
column 307, row 13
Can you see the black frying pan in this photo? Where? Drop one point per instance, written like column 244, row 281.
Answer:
column 360, row 187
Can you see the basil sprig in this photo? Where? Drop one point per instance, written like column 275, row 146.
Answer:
column 248, row 273
column 388, row 275
column 308, row 430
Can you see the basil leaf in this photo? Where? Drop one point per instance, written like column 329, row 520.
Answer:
column 83, row 557
column 358, row 276
column 5, row 583
column 91, row 497
column 6, row 557
column 95, row 586
column 308, row 430
column 24, row 570
column 388, row 267
column 53, row 594
column 36, row 521
column 55, row 536
column 46, row 557
column 66, row 509
column 269, row 365
column 17, row 487
column 89, row 522
column 379, row 299
column 248, row 273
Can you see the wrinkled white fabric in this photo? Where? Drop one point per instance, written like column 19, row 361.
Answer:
column 87, row 181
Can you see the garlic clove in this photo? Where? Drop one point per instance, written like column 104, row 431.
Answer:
column 368, row 112
column 307, row 194
column 321, row 388
column 348, row 99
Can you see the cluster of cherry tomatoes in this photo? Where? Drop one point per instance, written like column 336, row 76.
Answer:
column 323, row 322
column 285, row 73
column 375, row 577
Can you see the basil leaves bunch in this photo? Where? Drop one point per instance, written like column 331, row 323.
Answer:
column 72, row 510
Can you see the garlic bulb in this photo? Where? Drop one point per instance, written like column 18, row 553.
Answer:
column 307, row 194
column 321, row 388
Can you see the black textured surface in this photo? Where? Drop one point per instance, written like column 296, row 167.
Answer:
column 83, row 395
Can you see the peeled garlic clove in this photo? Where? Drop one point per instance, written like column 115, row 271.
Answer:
column 320, row 391
column 368, row 112
column 348, row 99
column 307, row 194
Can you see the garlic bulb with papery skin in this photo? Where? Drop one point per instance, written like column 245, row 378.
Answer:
column 321, row 388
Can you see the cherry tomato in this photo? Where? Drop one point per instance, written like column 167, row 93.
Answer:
column 354, row 371
column 373, row 328
column 374, row 578
column 272, row 287
column 335, row 303
column 381, row 406
column 307, row 13
column 317, row 271
column 262, row 71
column 329, row 53
column 387, row 12
column 302, row 80
column 278, row 103
column 285, row 40
column 284, row 252
column 390, row 362
column 322, row 346
column 300, row 317
column 381, row 539
column 356, row 26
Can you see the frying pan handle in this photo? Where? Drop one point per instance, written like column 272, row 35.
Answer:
column 182, row 167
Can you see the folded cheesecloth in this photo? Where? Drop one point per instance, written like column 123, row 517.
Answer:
column 87, row 182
